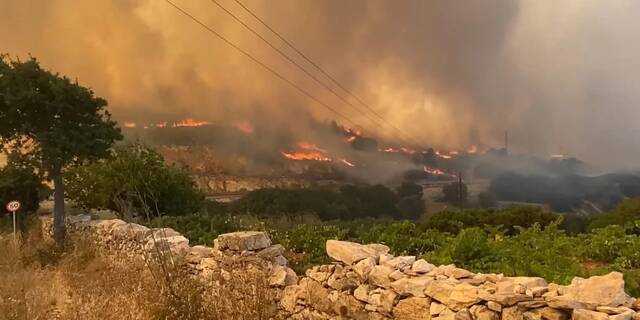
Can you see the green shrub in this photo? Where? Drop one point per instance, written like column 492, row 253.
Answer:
column 508, row 219
column 135, row 182
column 404, row 238
column 20, row 181
column 627, row 211
column 350, row 202
column 309, row 240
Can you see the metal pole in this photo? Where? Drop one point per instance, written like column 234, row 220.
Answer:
column 15, row 242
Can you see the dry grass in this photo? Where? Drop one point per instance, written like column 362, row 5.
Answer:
column 38, row 281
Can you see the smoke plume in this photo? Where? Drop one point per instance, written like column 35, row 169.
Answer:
column 561, row 77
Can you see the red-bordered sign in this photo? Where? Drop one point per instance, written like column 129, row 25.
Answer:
column 13, row 206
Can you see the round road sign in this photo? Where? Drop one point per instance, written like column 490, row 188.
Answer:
column 13, row 206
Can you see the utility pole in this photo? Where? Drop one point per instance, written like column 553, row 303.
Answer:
column 506, row 142
column 460, row 189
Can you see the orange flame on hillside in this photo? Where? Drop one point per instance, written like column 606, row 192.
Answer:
column 310, row 146
column 315, row 156
column 397, row 150
column 189, row 122
column 472, row 149
column 129, row 124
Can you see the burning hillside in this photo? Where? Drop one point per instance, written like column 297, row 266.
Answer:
column 327, row 151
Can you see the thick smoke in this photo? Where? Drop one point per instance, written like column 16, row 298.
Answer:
column 560, row 76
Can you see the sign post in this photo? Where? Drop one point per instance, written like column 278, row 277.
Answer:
column 12, row 207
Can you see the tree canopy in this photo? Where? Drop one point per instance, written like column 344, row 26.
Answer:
column 54, row 120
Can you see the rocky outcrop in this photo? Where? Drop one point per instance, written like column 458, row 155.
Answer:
column 366, row 282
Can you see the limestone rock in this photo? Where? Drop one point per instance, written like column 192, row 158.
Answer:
column 607, row 290
column 271, row 252
column 316, row 295
column 412, row 286
column 627, row 315
column 436, row 308
column 290, row 296
column 280, row 261
column 317, row 273
column 351, row 252
column 178, row 245
column 282, row 276
column 463, row 314
column 613, row 310
column 512, row 313
column 453, row 295
column 362, row 292
column 481, row 312
column 379, row 276
column 549, row 313
column 401, row 263
column 348, row 307
column 383, row 299
column 584, row 314
column 422, row 266
column 492, row 305
column 412, row 309
column 397, row 275
column 243, row 240
column 364, row 266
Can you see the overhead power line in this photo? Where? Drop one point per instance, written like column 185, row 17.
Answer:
column 260, row 63
column 288, row 58
column 319, row 68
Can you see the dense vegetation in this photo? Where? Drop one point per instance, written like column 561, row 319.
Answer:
column 134, row 181
column 513, row 241
column 349, row 202
column 19, row 180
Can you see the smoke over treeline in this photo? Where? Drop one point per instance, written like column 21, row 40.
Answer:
column 560, row 76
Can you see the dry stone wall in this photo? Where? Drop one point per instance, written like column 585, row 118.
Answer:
column 366, row 282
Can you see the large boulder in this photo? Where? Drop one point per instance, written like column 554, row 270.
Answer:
column 455, row 296
column 607, row 290
column 351, row 252
column 243, row 240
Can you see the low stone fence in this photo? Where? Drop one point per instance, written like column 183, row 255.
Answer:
column 366, row 282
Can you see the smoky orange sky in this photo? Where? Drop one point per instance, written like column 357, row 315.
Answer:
column 561, row 76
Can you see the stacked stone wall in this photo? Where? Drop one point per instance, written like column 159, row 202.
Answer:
column 366, row 282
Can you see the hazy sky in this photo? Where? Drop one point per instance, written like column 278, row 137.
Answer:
column 561, row 76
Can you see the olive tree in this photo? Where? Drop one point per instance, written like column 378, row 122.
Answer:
column 54, row 120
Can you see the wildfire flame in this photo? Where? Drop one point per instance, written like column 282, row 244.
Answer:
column 314, row 153
column 401, row 149
column 129, row 124
column 310, row 146
column 189, row 122
column 315, row 156
column 472, row 149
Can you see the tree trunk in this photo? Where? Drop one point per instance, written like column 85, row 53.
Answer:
column 58, row 209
